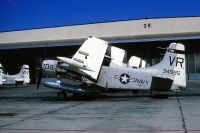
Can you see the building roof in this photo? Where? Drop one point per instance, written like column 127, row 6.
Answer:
column 118, row 31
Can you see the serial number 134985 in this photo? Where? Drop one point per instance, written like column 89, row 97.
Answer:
column 171, row 72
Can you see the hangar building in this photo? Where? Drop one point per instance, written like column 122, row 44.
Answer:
column 140, row 37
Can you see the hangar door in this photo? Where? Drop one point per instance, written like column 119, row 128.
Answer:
column 193, row 66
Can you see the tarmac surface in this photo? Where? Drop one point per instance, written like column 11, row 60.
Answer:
column 26, row 110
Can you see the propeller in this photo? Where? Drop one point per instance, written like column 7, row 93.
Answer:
column 39, row 77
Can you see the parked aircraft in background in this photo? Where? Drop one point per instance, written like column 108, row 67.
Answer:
column 19, row 79
column 98, row 67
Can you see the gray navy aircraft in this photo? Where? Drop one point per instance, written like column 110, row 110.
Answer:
column 18, row 79
column 98, row 67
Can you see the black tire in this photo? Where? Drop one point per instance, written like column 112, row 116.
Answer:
column 160, row 96
column 135, row 92
column 61, row 96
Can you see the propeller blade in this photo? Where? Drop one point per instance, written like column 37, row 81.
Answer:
column 39, row 78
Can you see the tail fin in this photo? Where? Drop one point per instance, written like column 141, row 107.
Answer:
column 1, row 72
column 172, row 65
column 24, row 72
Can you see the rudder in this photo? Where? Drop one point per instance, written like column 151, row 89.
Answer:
column 24, row 72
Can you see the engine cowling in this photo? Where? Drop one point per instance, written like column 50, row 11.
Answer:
column 62, row 71
column 49, row 67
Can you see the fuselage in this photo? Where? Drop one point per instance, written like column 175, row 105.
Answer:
column 124, row 78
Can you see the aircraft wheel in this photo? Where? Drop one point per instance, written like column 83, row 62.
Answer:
column 160, row 96
column 135, row 92
column 61, row 96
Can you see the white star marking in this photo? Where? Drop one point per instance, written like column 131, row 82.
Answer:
column 124, row 78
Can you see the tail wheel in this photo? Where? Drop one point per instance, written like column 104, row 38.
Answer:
column 160, row 96
column 135, row 92
column 61, row 96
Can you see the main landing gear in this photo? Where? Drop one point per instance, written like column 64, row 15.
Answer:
column 61, row 96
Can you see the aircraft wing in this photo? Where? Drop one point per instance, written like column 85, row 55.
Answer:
column 89, row 57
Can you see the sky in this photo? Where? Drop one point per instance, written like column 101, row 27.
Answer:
column 30, row 14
